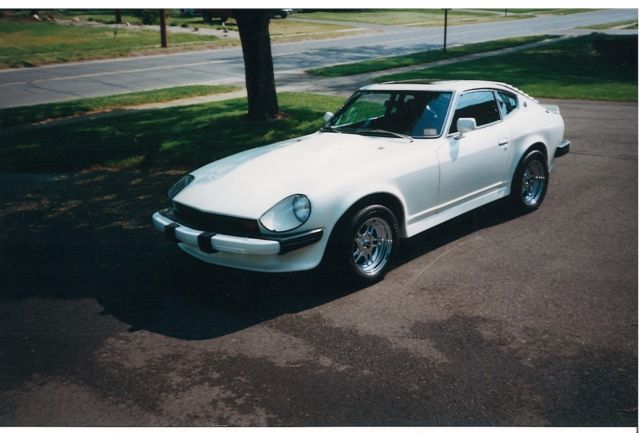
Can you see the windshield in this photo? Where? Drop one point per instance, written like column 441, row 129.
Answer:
column 413, row 113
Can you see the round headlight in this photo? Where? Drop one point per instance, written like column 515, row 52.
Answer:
column 288, row 214
column 301, row 207
column 179, row 186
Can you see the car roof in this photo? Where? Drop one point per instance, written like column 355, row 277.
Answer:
column 443, row 86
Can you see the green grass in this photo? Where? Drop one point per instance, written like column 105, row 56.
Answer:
column 25, row 43
column 41, row 112
column 631, row 24
column 544, row 11
column 280, row 29
column 422, row 57
column 184, row 137
column 597, row 66
column 107, row 16
column 418, row 17
column 286, row 29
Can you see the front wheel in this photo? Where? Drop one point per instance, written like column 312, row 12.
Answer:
column 367, row 245
column 530, row 181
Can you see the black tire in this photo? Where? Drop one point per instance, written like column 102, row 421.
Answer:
column 530, row 182
column 365, row 245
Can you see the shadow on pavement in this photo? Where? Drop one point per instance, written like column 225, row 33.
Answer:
column 89, row 235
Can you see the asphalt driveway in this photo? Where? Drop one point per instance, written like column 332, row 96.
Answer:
column 490, row 319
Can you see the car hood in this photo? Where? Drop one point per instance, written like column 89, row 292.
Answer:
column 249, row 183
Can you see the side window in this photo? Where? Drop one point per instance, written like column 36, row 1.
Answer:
column 481, row 105
column 507, row 102
column 434, row 112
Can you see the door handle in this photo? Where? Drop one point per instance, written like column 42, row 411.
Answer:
column 503, row 141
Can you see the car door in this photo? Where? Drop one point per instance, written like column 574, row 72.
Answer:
column 473, row 164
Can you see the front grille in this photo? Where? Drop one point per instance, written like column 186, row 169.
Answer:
column 210, row 222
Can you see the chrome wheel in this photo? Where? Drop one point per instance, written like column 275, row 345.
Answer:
column 372, row 246
column 533, row 182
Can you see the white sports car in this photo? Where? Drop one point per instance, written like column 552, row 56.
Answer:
column 395, row 160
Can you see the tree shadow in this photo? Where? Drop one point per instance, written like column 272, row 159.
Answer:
column 89, row 235
column 186, row 136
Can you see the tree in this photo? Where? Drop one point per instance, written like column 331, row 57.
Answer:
column 253, row 26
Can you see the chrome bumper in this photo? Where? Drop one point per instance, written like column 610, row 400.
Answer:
column 210, row 243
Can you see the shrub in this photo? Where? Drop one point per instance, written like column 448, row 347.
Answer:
column 147, row 16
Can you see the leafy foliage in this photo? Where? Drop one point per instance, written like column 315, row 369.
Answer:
column 147, row 16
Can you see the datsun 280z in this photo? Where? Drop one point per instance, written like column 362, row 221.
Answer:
column 395, row 160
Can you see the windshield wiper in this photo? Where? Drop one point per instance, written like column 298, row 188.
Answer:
column 384, row 131
column 331, row 128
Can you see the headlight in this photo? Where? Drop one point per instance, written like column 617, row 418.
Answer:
column 179, row 186
column 289, row 214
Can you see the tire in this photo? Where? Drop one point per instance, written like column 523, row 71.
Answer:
column 530, row 182
column 366, row 245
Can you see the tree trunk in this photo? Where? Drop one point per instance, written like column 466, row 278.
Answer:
column 163, row 28
column 253, row 26
column 118, row 16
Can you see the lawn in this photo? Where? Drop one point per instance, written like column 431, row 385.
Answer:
column 287, row 30
column 417, row 17
column 175, row 137
column 422, row 57
column 632, row 24
column 279, row 28
column 42, row 112
column 596, row 66
column 107, row 16
column 24, row 43
column 544, row 11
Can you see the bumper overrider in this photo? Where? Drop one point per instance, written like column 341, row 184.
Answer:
column 563, row 148
column 209, row 242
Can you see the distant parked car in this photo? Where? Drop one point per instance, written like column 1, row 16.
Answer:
column 282, row 13
column 223, row 15
column 394, row 161
column 208, row 15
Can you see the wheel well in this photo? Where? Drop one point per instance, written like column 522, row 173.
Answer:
column 385, row 199
column 538, row 146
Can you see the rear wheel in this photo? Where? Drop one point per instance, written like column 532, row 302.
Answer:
column 530, row 181
column 367, row 245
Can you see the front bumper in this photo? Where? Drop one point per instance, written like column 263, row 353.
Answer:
column 562, row 149
column 210, row 243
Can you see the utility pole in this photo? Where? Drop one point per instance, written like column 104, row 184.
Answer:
column 163, row 29
column 446, row 11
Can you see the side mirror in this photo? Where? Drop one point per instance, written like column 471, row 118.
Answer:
column 327, row 116
column 466, row 124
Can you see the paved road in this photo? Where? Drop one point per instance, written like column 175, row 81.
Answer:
column 71, row 81
column 490, row 319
